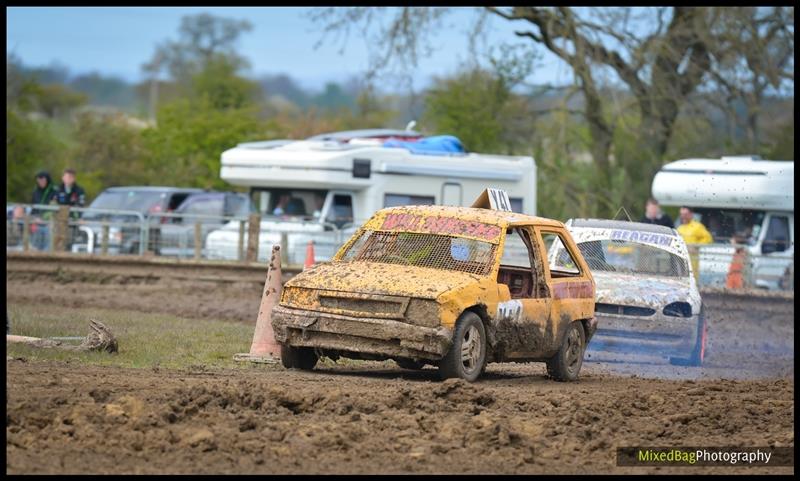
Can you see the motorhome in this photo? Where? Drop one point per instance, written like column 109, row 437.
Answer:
column 742, row 200
column 337, row 181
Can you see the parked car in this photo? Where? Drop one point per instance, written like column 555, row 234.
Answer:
column 125, row 229
column 443, row 285
column 209, row 209
column 647, row 297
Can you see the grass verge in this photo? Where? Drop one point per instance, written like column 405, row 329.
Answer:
column 145, row 340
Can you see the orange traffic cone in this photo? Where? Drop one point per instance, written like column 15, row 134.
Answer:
column 309, row 255
column 264, row 348
column 735, row 279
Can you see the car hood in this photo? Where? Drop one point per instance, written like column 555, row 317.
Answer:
column 643, row 290
column 382, row 279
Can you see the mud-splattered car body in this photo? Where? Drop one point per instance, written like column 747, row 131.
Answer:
column 398, row 287
column 647, row 297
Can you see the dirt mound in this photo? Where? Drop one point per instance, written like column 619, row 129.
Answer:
column 370, row 419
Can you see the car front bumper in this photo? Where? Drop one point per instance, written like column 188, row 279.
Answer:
column 372, row 336
column 656, row 335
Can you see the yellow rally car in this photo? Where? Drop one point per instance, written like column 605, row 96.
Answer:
column 454, row 287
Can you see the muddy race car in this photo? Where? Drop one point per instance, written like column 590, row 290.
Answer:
column 647, row 298
column 453, row 287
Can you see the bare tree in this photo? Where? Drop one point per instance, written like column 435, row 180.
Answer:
column 660, row 68
column 753, row 57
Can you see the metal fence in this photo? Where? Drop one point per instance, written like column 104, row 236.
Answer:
column 192, row 236
column 741, row 266
column 185, row 236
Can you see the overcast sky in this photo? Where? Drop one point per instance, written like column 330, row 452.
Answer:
column 117, row 40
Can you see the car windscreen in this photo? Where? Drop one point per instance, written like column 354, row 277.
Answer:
column 422, row 250
column 612, row 255
column 136, row 200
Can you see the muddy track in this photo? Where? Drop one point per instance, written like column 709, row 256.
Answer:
column 371, row 419
column 377, row 418
column 749, row 337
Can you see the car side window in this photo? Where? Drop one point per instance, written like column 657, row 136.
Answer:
column 516, row 270
column 515, row 252
column 777, row 237
column 176, row 200
column 205, row 207
column 560, row 260
column 236, row 205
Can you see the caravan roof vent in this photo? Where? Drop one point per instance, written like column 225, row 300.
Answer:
column 741, row 157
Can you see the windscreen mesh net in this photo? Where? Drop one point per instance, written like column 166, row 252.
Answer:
column 423, row 250
column 631, row 258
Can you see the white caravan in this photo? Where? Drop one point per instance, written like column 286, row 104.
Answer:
column 742, row 198
column 335, row 182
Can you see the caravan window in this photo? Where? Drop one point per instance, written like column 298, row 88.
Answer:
column 296, row 203
column 725, row 224
column 516, row 204
column 393, row 200
column 341, row 212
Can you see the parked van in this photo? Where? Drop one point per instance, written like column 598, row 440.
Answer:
column 337, row 181
column 739, row 198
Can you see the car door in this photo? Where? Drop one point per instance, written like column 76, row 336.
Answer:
column 523, row 313
column 569, row 280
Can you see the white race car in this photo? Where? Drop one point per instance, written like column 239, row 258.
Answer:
column 647, row 299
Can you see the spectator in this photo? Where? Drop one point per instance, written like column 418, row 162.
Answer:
column 654, row 215
column 69, row 192
column 283, row 203
column 692, row 230
column 15, row 226
column 44, row 191
column 319, row 202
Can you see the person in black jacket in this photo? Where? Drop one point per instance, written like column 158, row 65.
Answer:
column 45, row 190
column 44, row 193
column 653, row 214
column 69, row 192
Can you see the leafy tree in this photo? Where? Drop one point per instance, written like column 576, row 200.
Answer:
column 202, row 39
column 468, row 106
column 206, row 44
column 224, row 89
column 333, row 98
column 214, row 108
column 107, row 91
column 56, row 100
column 109, row 152
column 30, row 147
column 478, row 105
column 185, row 147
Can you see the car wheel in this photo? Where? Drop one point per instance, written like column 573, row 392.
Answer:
column 567, row 362
column 699, row 351
column 467, row 355
column 410, row 364
column 298, row 357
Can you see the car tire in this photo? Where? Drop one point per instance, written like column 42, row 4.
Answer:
column 698, row 354
column 466, row 357
column 567, row 362
column 298, row 358
column 410, row 364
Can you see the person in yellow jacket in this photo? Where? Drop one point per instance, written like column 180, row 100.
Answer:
column 693, row 231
